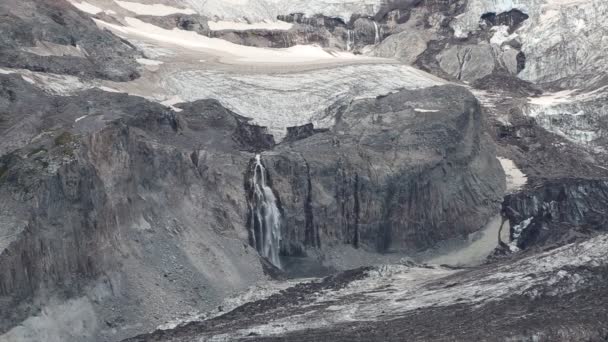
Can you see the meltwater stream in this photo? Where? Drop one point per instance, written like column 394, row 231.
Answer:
column 265, row 219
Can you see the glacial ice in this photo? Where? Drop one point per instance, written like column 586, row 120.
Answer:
column 291, row 99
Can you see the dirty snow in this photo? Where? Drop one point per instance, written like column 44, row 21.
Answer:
column 552, row 98
column 152, row 9
column 515, row 178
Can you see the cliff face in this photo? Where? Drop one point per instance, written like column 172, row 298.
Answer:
column 149, row 204
column 121, row 212
column 122, row 216
column 396, row 173
column 557, row 212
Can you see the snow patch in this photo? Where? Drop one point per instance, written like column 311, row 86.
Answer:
column 515, row 178
column 426, row 110
column 28, row 79
column 145, row 61
column 86, row 7
column 501, row 35
column 80, row 118
column 550, row 99
column 108, row 89
column 172, row 101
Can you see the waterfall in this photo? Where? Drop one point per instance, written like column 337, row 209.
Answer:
column 350, row 41
column 265, row 217
column 377, row 33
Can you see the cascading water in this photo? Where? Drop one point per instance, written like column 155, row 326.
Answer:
column 350, row 41
column 377, row 33
column 265, row 217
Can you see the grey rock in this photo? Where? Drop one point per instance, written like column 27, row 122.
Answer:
column 558, row 211
column 387, row 177
column 405, row 46
column 467, row 62
column 28, row 23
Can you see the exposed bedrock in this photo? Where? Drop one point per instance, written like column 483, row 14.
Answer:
column 320, row 30
column 395, row 173
column 557, row 212
column 140, row 216
column 53, row 36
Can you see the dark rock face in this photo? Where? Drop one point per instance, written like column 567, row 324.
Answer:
column 28, row 23
column 253, row 138
column 387, row 177
column 513, row 18
column 558, row 211
column 400, row 172
column 114, row 201
column 188, row 22
column 301, row 132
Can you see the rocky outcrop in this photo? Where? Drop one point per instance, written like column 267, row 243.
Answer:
column 467, row 63
column 396, row 173
column 28, row 24
column 557, row 212
column 128, row 207
column 151, row 204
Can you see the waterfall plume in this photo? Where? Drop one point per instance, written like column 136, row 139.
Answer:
column 264, row 215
